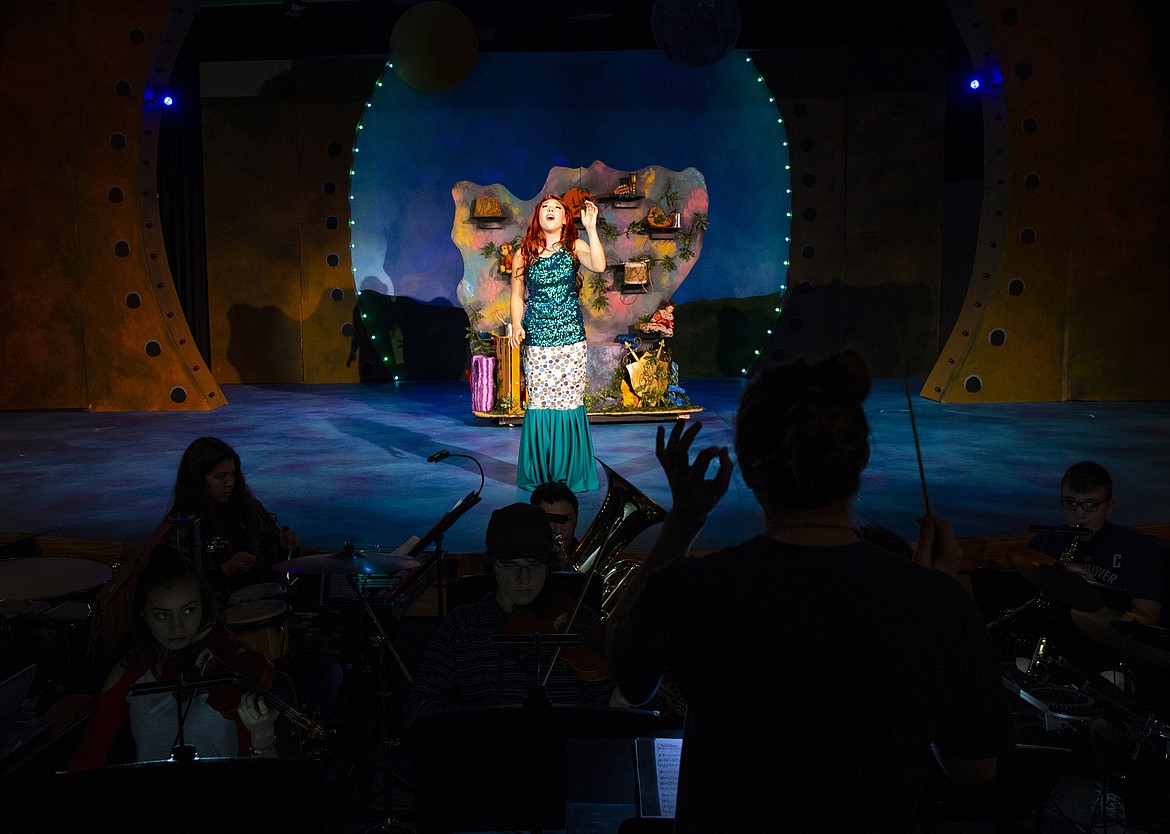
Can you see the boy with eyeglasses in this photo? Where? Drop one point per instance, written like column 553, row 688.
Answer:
column 1118, row 557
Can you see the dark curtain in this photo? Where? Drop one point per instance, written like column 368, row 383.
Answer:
column 180, row 190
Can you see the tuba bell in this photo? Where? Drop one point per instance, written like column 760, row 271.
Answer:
column 624, row 513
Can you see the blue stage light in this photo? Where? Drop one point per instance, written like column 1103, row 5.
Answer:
column 974, row 83
column 168, row 100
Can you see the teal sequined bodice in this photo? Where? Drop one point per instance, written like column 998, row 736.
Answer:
column 552, row 313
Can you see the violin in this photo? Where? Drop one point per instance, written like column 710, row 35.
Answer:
column 219, row 651
column 555, row 614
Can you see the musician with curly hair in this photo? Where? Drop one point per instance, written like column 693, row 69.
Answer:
column 821, row 671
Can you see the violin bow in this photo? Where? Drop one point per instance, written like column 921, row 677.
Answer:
column 568, row 625
column 303, row 722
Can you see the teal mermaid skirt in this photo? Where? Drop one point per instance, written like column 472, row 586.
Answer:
column 555, row 445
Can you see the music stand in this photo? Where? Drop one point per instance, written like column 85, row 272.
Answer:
column 184, row 690
column 435, row 535
column 260, row 796
column 506, row 768
column 382, row 642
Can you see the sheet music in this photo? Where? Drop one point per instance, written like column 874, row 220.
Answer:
column 657, row 763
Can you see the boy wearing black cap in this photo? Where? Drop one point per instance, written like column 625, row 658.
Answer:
column 465, row 666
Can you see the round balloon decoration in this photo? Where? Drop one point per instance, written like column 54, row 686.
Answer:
column 433, row 46
column 696, row 33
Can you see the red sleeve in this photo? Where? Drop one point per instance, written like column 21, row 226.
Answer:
column 110, row 713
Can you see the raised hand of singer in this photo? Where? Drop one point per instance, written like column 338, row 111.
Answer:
column 694, row 495
column 260, row 722
column 589, row 215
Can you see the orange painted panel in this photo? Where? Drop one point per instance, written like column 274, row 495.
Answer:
column 1068, row 295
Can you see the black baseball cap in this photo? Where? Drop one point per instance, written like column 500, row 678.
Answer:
column 519, row 531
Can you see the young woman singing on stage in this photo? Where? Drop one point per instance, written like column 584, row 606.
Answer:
column 546, row 322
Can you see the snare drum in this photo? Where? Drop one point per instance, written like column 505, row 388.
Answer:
column 251, row 593
column 261, row 625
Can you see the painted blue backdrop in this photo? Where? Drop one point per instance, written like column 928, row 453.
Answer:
column 519, row 114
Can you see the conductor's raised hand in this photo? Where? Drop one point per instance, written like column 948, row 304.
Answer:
column 937, row 546
column 694, row 494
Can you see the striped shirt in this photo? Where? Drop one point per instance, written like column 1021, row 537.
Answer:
column 462, row 667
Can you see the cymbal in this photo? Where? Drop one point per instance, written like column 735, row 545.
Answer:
column 1028, row 562
column 1135, row 642
column 50, row 577
column 1054, row 579
column 349, row 562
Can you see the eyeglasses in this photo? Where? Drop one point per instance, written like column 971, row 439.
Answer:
column 1090, row 506
column 517, row 565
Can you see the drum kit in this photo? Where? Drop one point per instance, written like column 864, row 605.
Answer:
column 1064, row 692
column 43, row 595
column 47, row 609
column 1096, row 610
column 263, row 614
column 259, row 614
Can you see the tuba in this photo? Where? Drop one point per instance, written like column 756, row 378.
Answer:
column 624, row 513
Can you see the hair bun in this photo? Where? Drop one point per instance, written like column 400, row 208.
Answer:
column 844, row 378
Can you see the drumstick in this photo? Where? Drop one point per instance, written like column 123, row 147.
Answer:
column 913, row 425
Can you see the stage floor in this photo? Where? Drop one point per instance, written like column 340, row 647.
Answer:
column 348, row 462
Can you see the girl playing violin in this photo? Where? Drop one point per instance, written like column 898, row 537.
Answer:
column 174, row 619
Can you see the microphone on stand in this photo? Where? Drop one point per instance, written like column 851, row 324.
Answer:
column 465, row 503
column 443, row 454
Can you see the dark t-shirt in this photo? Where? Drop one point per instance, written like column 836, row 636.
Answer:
column 254, row 531
column 1119, row 557
column 463, row 667
column 816, row 680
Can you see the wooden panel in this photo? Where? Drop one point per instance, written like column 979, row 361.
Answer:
column 509, row 375
column 325, row 139
column 40, row 316
column 94, row 322
column 253, row 264
column 864, row 134
column 277, row 162
column 1067, row 297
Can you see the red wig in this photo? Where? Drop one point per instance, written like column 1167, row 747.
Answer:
column 533, row 243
